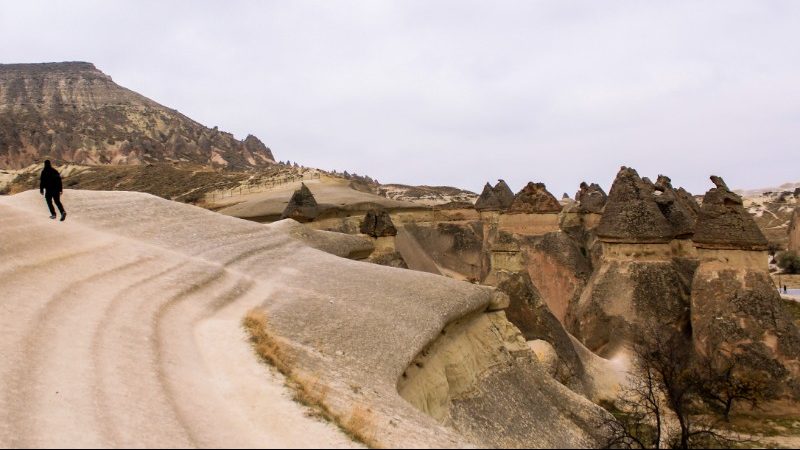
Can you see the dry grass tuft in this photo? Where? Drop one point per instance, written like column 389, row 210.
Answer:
column 360, row 425
column 308, row 390
column 255, row 322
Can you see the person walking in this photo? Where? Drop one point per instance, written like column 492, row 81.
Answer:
column 50, row 186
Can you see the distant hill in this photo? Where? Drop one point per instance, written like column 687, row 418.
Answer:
column 73, row 112
column 772, row 209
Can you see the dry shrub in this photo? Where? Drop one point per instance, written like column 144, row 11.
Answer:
column 266, row 346
column 360, row 426
column 308, row 390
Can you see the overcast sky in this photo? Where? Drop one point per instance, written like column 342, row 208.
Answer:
column 459, row 92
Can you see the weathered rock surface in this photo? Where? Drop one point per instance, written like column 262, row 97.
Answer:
column 724, row 223
column 528, row 312
column 737, row 313
column 591, row 198
column 453, row 246
column 481, row 377
column 558, row 268
column 302, row 206
column 631, row 214
column 534, row 198
column 624, row 294
column 73, row 112
column 378, row 223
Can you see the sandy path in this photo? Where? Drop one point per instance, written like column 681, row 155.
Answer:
column 109, row 342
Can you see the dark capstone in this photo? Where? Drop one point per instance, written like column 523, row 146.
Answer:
column 632, row 214
column 689, row 202
column 487, row 200
column 504, row 193
column 591, row 198
column 534, row 198
column 674, row 208
column 378, row 223
column 724, row 223
column 497, row 198
column 302, row 206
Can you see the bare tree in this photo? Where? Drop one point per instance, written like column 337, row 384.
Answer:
column 666, row 387
column 724, row 381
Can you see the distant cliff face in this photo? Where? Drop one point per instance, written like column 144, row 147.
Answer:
column 73, row 112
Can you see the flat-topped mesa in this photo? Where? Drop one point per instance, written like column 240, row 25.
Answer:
column 378, row 223
column 497, row 198
column 591, row 198
column 302, row 206
column 534, row 199
column 674, row 208
column 723, row 223
column 631, row 214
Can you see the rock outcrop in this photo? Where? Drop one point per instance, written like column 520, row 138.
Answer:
column 302, row 206
column 497, row 198
column 75, row 113
column 534, row 199
column 643, row 274
column 794, row 231
column 378, row 223
column 631, row 214
column 591, row 198
column 737, row 314
column 455, row 247
column 723, row 222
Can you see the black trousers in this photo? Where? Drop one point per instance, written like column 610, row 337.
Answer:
column 54, row 197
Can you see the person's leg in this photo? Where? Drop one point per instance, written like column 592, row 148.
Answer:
column 49, row 198
column 57, row 200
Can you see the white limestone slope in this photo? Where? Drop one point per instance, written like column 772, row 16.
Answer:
column 116, row 330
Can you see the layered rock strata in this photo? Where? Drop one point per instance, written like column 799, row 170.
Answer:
column 75, row 113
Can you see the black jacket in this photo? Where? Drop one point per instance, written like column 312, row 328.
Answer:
column 51, row 181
